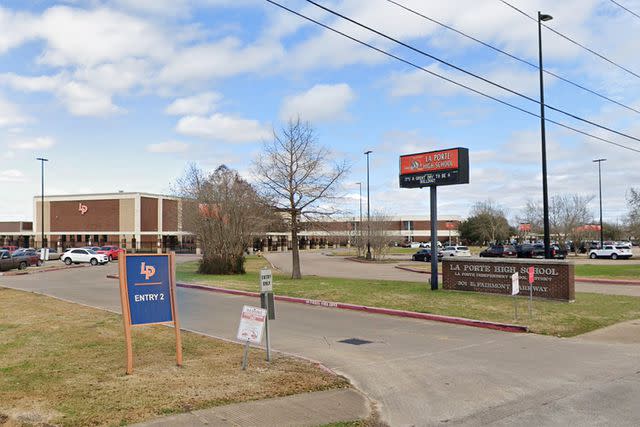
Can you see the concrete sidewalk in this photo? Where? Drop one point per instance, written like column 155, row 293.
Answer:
column 309, row 409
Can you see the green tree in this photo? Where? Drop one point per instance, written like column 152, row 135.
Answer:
column 487, row 224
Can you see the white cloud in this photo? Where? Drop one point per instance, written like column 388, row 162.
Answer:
column 223, row 128
column 10, row 114
column 222, row 58
column 91, row 37
column 199, row 105
column 320, row 103
column 39, row 143
column 168, row 147
column 11, row 175
column 84, row 100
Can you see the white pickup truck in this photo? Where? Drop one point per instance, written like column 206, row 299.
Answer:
column 610, row 251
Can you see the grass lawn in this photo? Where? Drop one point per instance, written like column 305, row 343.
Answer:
column 618, row 271
column 589, row 312
column 63, row 364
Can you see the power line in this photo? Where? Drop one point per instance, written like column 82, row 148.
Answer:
column 599, row 55
column 448, row 79
column 524, row 61
column 462, row 70
column 625, row 8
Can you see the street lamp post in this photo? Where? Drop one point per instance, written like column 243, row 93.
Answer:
column 368, row 209
column 599, row 162
column 545, row 194
column 42, row 160
column 360, row 223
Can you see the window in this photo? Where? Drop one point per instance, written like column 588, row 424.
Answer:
column 408, row 225
column 78, row 251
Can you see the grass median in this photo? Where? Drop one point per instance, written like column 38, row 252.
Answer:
column 63, row 364
column 588, row 312
column 618, row 271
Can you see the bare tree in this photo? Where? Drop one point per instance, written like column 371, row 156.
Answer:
column 381, row 236
column 223, row 211
column 296, row 173
column 633, row 215
column 568, row 213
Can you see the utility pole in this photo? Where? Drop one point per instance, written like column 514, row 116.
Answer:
column 545, row 193
column 599, row 162
column 42, row 160
column 368, row 209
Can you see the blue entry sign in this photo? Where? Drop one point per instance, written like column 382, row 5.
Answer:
column 148, row 280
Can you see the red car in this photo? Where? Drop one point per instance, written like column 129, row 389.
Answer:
column 110, row 251
column 11, row 249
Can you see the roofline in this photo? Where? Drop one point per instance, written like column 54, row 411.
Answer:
column 123, row 193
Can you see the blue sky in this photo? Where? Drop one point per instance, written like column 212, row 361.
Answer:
column 120, row 95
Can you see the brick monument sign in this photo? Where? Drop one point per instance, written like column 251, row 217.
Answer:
column 553, row 279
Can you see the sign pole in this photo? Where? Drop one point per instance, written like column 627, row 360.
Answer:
column 531, row 272
column 434, row 239
column 174, row 308
column 126, row 315
column 245, row 356
column 515, row 290
column 266, row 336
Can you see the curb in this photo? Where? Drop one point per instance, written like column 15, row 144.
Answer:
column 24, row 272
column 505, row 327
column 413, row 270
column 608, row 281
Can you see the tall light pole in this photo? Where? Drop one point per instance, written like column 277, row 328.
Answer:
column 545, row 193
column 42, row 160
column 368, row 209
column 599, row 162
column 360, row 223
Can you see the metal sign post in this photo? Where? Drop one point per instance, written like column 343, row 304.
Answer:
column 148, row 296
column 515, row 290
column 531, row 272
column 434, row 239
column 267, row 303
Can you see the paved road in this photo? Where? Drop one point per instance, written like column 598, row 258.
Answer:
column 315, row 263
column 419, row 372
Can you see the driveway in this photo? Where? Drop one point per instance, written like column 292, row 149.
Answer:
column 419, row 372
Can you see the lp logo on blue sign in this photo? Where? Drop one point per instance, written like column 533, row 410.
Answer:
column 149, row 289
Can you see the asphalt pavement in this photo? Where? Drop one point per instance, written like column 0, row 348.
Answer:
column 418, row 372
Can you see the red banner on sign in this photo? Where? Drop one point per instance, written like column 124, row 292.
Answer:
column 531, row 270
column 524, row 227
column 429, row 162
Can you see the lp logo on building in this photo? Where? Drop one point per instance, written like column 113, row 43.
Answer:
column 83, row 208
column 147, row 271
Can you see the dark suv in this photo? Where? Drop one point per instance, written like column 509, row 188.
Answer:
column 499, row 251
column 537, row 251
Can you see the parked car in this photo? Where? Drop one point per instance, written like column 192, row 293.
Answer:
column 53, row 254
column 499, row 251
column 428, row 245
column 610, row 251
column 77, row 256
column 22, row 251
column 456, row 251
column 10, row 249
column 110, row 251
column 537, row 251
column 11, row 261
column 424, row 255
column 627, row 245
column 93, row 248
